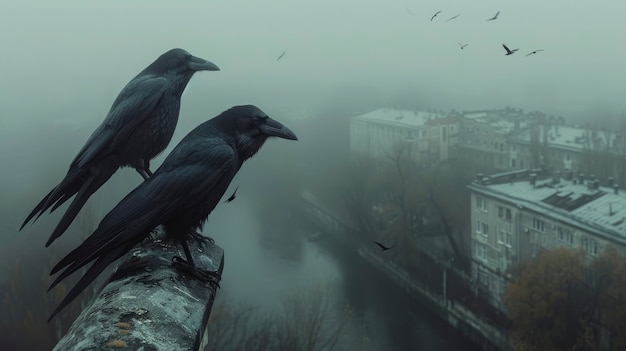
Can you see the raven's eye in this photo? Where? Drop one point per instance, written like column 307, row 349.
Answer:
column 258, row 119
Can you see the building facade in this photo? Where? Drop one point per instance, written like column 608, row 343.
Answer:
column 516, row 214
column 429, row 137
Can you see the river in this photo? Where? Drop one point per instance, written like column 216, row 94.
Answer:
column 262, row 266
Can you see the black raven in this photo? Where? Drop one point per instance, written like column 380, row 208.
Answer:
column 138, row 127
column 435, row 15
column 233, row 196
column 281, row 55
column 534, row 52
column 463, row 46
column 180, row 195
column 509, row 51
column 494, row 17
column 383, row 247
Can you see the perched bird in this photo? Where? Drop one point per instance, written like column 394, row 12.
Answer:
column 383, row 247
column 509, row 51
column 233, row 196
column 533, row 52
column 453, row 17
column 435, row 15
column 180, row 195
column 137, row 128
column 494, row 17
column 463, row 45
column 281, row 55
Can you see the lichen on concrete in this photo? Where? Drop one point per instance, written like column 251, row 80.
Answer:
column 148, row 304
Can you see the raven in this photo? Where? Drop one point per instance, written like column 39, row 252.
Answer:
column 180, row 195
column 382, row 246
column 509, row 51
column 137, row 128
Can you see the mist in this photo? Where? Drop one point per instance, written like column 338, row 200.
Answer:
column 64, row 62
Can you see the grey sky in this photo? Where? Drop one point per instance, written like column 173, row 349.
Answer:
column 73, row 57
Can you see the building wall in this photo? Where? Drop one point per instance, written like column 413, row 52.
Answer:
column 515, row 235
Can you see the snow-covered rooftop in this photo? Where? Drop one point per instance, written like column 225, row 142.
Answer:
column 568, row 137
column 500, row 121
column 399, row 118
column 596, row 209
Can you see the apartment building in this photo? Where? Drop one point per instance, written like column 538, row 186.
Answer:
column 515, row 214
column 429, row 136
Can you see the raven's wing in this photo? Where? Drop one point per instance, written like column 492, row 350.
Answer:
column 153, row 202
column 131, row 107
column 506, row 48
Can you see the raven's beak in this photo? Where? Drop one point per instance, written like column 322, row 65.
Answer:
column 273, row 128
column 198, row 64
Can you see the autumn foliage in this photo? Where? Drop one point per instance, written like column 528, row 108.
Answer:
column 563, row 300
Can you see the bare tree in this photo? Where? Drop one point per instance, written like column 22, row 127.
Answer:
column 312, row 320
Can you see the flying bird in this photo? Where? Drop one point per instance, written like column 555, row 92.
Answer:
column 281, row 55
column 453, row 17
column 509, row 51
column 533, row 52
column 494, row 17
column 180, row 195
column 409, row 11
column 435, row 15
column 383, row 247
column 138, row 127
column 233, row 196
column 463, row 45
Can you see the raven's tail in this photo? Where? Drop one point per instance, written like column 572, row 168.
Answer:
column 96, row 268
column 82, row 182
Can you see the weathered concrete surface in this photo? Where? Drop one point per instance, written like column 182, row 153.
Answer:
column 148, row 304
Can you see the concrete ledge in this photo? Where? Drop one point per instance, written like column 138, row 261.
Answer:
column 147, row 304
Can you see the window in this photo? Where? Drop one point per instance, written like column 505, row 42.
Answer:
column 504, row 213
column 481, row 204
column 565, row 235
column 539, row 225
column 485, row 229
column 483, row 277
column 482, row 228
column 508, row 239
column 590, row 246
column 501, row 235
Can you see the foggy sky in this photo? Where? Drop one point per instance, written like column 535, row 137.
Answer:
column 73, row 57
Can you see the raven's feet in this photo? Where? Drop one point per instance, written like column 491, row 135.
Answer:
column 204, row 275
column 201, row 239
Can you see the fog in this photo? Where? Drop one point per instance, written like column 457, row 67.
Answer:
column 63, row 63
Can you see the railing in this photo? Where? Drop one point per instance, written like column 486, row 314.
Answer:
column 147, row 304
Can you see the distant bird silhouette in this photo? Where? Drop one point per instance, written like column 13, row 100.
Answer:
column 232, row 197
column 180, row 195
column 281, row 55
column 494, row 17
column 509, row 51
column 409, row 11
column 453, row 17
column 435, row 15
column 533, row 52
column 463, row 45
column 137, row 128
column 383, row 247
